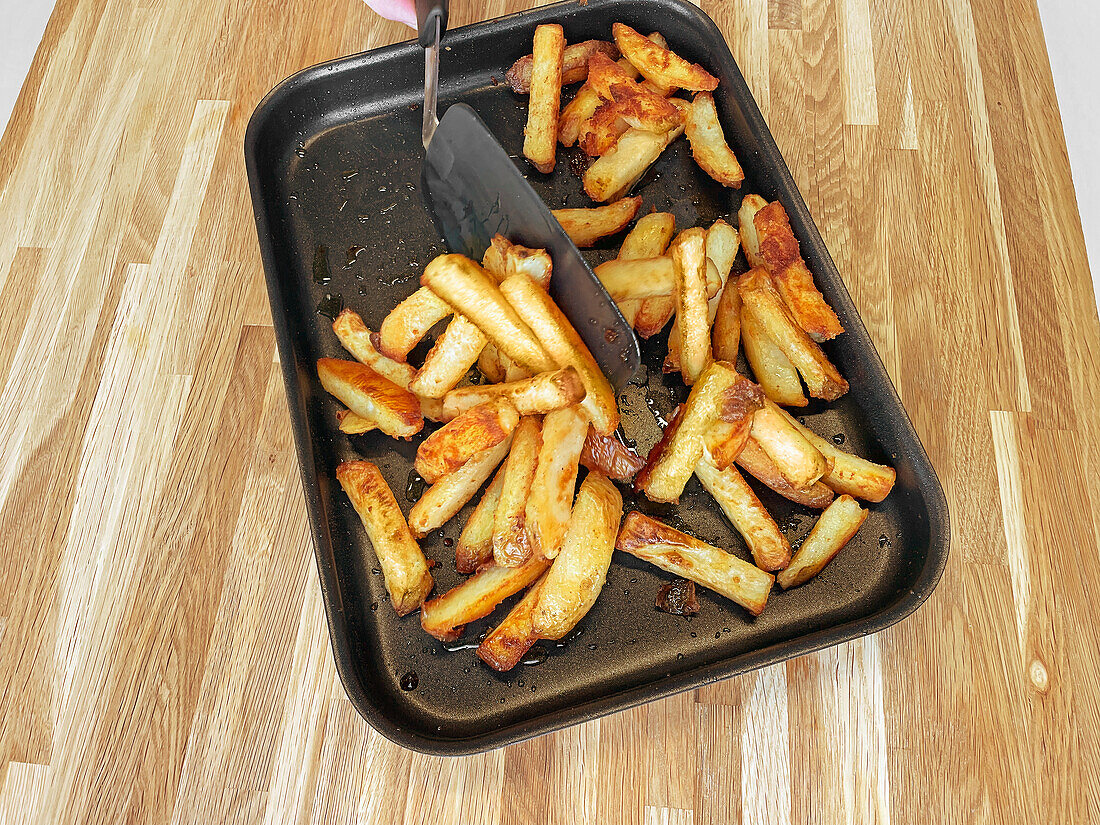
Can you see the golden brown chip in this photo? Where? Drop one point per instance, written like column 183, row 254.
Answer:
column 672, row 462
column 393, row 409
column 708, row 142
column 689, row 260
column 660, row 65
column 540, row 139
column 686, row 556
column 445, row 616
column 756, row 462
column 834, row 529
column 511, row 546
column 762, row 300
column 449, row 359
column 586, row 226
column 558, row 338
column 770, row 548
column 510, row 640
column 468, row 435
column 475, row 544
column 649, row 238
column 409, row 322
column 780, row 254
column 616, row 171
column 775, row 374
column 467, row 287
column 403, row 565
column 580, row 569
column 551, row 497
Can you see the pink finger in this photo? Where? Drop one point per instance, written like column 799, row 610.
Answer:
column 402, row 11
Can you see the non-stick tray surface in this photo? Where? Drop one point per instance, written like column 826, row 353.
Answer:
column 333, row 159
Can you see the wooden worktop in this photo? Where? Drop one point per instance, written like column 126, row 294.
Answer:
column 163, row 650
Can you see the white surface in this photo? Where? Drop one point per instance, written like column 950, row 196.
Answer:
column 24, row 23
column 1072, row 30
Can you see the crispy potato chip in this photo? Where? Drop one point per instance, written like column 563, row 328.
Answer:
column 511, row 547
column 599, row 134
column 447, row 496
column 551, row 497
column 501, row 260
column 708, row 142
column 475, row 544
column 682, row 555
column 663, row 91
column 778, row 245
column 353, row 424
column 469, row 289
column 849, row 474
column 641, row 106
column 726, row 332
column 468, row 435
column 393, row 409
column 689, row 260
column 358, row 340
column 796, row 458
column 808, row 306
column 561, row 341
column 616, row 171
column 575, row 114
column 672, row 462
column 750, row 242
column 580, row 569
column 834, row 529
column 659, row 65
column 770, row 548
column 728, row 434
column 770, row 366
column 510, row 640
column 404, row 568
column 756, row 462
column 714, row 286
column 722, row 245
column 490, row 365
column 650, row 237
column 627, row 279
column 760, row 299
column 543, row 393
column 780, row 254
column 504, row 259
column 540, row 139
column 409, row 322
column 603, row 73
column 450, row 358
column 444, row 617
column 586, row 226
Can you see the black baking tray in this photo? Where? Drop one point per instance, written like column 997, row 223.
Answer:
column 333, row 157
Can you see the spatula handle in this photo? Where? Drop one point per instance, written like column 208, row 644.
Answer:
column 427, row 12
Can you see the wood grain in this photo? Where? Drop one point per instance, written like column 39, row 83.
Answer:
column 163, row 650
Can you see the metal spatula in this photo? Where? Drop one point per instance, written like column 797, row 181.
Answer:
column 475, row 191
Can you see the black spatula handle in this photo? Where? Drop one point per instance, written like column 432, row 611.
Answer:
column 427, row 12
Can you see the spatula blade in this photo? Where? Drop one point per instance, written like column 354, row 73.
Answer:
column 475, row 191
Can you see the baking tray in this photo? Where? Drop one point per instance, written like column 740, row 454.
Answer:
column 333, row 157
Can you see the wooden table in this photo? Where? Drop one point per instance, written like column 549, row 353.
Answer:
column 163, row 651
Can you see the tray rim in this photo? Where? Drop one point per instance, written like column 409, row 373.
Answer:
column 932, row 489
